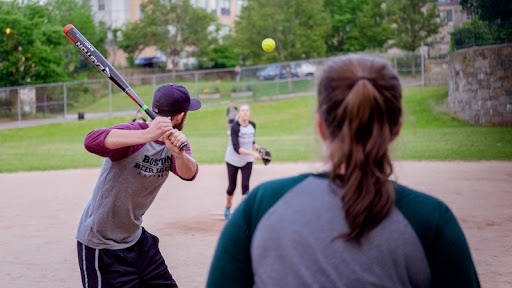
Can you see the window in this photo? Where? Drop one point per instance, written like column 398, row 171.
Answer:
column 101, row 5
column 224, row 7
column 202, row 4
column 213, row 7
column 240, row 5
column 449, row 15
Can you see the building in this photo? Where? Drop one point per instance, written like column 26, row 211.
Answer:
column 452, row 15
column 116, row 13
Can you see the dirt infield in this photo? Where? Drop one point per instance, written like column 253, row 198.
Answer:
column 40, row 212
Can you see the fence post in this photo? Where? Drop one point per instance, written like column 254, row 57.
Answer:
column 422, row 66
column 277, row 83
column 65, row 99
column 19, row 104
column 196, row 83
column 110, row 98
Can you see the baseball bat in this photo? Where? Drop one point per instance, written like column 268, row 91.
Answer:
column 106, row 68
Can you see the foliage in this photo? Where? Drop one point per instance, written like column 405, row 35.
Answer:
column 358, row 25
column 174, row 25
column 78, row 13
column 498, row 13
column 415, row 21
column 474, row 33
column 132, row 39
column 27, row 52
column 489, row 10
column 299, row 30
column 35, row 50
column 221, row 55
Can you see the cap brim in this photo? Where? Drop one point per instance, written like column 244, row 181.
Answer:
column 195, row 104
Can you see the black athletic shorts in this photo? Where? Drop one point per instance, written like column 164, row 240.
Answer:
column 140, row 265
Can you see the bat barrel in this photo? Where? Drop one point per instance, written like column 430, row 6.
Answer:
column 95, row 57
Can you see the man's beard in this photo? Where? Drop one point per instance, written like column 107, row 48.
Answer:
column 180, row 125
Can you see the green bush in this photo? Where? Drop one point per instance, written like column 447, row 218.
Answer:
column 480, row 33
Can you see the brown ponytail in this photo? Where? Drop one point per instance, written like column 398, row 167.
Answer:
column 359, row 102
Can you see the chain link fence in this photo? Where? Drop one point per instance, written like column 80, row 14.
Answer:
column 100, row 98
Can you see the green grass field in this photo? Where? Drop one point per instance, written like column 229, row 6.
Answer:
column 285, row 127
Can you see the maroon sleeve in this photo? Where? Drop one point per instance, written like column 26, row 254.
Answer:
column 94, row 142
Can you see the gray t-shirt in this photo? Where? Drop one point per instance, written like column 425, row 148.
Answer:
column 241, row 137
column 129, row 181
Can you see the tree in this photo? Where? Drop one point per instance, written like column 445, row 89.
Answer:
column 35, row 50
column 221, row 55
column 474, row 32
column 489, row 10
column 299, row 30
column 358, row 25
column 27, row 54
column 78, row 13
column 177, row 28
column 498, row 14
column 415, row 22
column 132, row 39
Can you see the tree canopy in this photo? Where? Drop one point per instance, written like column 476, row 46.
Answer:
column 176, row 28
column 415, row 21
column 358, row 25
column 489, row 10
column 33, row 48
column 299, row 30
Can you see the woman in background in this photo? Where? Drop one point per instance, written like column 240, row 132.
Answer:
column 240, row 154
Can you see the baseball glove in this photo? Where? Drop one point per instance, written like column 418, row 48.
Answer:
column 266, row 156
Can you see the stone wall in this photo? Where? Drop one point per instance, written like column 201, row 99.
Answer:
column 436, row 72
column 480, row 82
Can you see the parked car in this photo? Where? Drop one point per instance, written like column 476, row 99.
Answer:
column 305, row 69
column 273, row 71
column 150, row 62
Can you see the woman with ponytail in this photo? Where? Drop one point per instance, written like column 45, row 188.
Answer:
column 350, row 226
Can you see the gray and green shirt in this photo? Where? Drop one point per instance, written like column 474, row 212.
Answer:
column 283, row 235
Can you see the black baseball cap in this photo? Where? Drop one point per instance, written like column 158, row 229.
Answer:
column 172, row 99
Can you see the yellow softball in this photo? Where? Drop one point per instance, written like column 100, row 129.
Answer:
column 268, row 44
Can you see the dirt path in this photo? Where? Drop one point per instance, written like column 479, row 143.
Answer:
column 40, row 212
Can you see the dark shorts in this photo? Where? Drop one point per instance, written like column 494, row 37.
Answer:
column 140, row 265
column 230, row 121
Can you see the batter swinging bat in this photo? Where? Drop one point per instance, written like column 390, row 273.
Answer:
column 104, row 66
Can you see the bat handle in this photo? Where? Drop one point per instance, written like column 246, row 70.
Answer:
column 183, row 146
column 149, row 112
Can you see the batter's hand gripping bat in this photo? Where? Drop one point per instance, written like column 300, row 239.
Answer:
column 104, row 66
